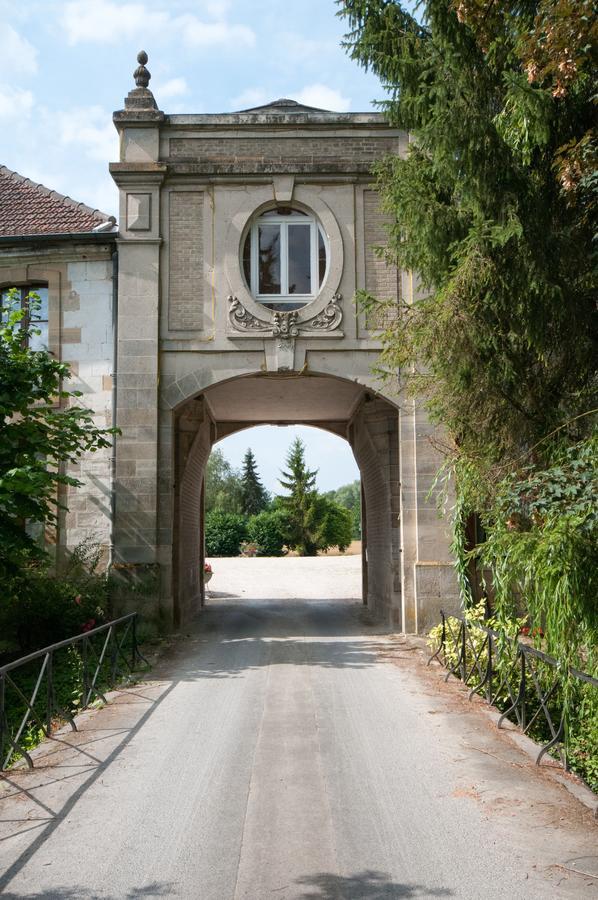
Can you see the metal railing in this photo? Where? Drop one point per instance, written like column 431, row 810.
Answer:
column 528, row 686
column 103, row 656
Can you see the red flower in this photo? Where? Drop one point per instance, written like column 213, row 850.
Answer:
column 78, row 600
column 207, row 567
column 91, row 623
column 524, row 630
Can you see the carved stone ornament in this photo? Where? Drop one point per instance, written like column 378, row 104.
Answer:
column 141, row 74
column 286, row 325
column 242, row 320
column 327, row 320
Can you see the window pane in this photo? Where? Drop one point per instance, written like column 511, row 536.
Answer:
column 299, row 259
column 39, row 310
column 39, row 341
column 247, row 260
column 286, row 211
column 7, row 306
column 269, row 259
column 321, row 257
column 284, row 305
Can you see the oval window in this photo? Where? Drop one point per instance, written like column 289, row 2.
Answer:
column 285, row 258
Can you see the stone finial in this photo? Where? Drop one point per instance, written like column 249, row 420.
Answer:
column 141, row 74
column 140, row 100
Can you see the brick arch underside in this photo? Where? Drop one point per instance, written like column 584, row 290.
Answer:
column 373, row 437
column 187, row 549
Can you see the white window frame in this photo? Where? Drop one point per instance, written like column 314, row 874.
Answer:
column 271, row 217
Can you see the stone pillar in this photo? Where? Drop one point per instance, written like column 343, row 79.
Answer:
column 374, row 439
column 427, row 571
column 139, row 176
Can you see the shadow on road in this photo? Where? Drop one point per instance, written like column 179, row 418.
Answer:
column 229, row 639
column 367, row 885
column 55, row 818
column 155, row 889
column 232, row 658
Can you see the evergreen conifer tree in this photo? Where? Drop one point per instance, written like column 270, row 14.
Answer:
column 494, row 207
column 300, row 482
column 254, row 495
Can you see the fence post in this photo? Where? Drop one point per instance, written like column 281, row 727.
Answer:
column 463, row 652
column 489, row 671
column 134, row 643
column 522, row 690
column 114, row 660
column 85, row 655
column 2, row 715
column 49, row 694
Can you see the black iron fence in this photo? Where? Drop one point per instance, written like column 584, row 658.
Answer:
column 528, row 686
column 43, row 690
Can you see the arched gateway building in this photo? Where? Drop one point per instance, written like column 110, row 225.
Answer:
column 243, row 238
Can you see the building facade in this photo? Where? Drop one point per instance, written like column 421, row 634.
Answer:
column 242, row 241
column 66, row 253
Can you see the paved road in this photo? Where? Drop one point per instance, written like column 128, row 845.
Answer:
column 287, row 749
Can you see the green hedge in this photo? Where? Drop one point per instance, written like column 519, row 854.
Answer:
column 224, row 533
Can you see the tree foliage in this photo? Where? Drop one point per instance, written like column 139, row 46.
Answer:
column 268, row 530
column 494, row 207
column 223, row 488
column 42, row 430
column 224, row 532
column 503, row 346
column 315, row 522
column 254, row 496
column 349, row 496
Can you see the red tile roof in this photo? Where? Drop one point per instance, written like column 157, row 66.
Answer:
column 29, row 209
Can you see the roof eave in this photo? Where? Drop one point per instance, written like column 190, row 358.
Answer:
column 79, row 236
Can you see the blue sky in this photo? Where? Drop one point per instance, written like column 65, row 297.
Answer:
column 67, row 64
column 330, row 455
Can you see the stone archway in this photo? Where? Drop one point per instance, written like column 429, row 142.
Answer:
column 370, row 425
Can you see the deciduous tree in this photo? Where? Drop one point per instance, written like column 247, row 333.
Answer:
column 42, row 430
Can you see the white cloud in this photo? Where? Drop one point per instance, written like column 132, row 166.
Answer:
column 290, row 45
column 15, row 103
column 250, row 98
column 90, row 128
column 17, row 54
column 217, row 8
column 323, row 97
column 176, row 87
column 204, row 34
column 105, row 21
column 102, row 195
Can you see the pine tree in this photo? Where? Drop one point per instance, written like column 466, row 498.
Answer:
column 300, row 482
column 254, row 497
column 493, row 207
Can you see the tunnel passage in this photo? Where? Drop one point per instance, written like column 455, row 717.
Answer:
column 368, row 422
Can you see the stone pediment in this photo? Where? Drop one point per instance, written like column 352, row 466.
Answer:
column 284, row 106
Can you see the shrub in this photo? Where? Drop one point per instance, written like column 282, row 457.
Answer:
column 40, row 607
column 224, row 533
column 268, row 530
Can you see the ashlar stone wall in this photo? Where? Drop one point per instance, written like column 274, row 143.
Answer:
column 80, row 300
column 190, row 187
